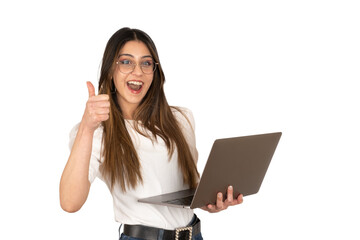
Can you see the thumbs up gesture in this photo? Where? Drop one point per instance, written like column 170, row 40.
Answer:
column 97, row 108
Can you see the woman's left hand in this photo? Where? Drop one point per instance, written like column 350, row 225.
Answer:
column 222, row 205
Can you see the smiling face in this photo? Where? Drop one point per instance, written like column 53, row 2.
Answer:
column 132, row 87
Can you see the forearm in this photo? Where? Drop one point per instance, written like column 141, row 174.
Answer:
column 74, row 183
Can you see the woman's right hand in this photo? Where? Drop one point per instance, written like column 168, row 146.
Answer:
column 74, row 183
column 97, row 109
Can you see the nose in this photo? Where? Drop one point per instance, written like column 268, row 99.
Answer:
column 137, row 70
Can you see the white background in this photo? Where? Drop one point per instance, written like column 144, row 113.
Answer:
column 243, row 68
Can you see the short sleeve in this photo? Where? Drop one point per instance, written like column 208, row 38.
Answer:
column 187, row 124
column 95, row 159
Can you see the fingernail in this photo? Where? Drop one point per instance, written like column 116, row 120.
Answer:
column 230, row 187
column 219, row 194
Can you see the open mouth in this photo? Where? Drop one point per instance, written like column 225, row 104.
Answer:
column 135, row 85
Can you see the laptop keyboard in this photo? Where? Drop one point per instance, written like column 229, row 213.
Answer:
column 181, row 201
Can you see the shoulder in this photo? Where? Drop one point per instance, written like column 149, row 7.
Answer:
column 184, row 116
column 98, row 132
column 97, row 138
column 180, row 110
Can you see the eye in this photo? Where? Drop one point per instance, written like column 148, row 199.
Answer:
column 147, row 63
column 125, row 62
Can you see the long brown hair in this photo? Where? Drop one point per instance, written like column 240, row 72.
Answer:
column 121, row 162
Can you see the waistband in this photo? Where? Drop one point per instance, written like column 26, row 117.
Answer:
column 152, row 233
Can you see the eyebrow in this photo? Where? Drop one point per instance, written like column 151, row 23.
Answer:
column 129, row 55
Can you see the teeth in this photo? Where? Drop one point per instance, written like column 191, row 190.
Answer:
column 135, row 83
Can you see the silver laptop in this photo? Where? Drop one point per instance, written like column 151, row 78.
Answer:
column 241, row 162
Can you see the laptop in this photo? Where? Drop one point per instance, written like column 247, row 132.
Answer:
column 241, row 162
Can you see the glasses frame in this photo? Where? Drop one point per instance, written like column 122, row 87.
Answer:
column 134, row 66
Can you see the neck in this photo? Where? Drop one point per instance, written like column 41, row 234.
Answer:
column 128, row 110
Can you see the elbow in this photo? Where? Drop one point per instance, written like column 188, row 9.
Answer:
column 70, row 204
column 69, row 207
column 72, row 198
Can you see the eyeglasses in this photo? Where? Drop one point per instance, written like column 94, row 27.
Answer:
column 127, row 66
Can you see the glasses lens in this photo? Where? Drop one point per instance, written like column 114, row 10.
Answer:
column 126, row 66
column 148, row 67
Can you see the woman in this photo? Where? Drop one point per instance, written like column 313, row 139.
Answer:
column 136, row 143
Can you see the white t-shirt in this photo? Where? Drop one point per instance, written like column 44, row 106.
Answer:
column 160, row 175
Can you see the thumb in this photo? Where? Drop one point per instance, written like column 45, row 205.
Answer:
column 91, row 89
